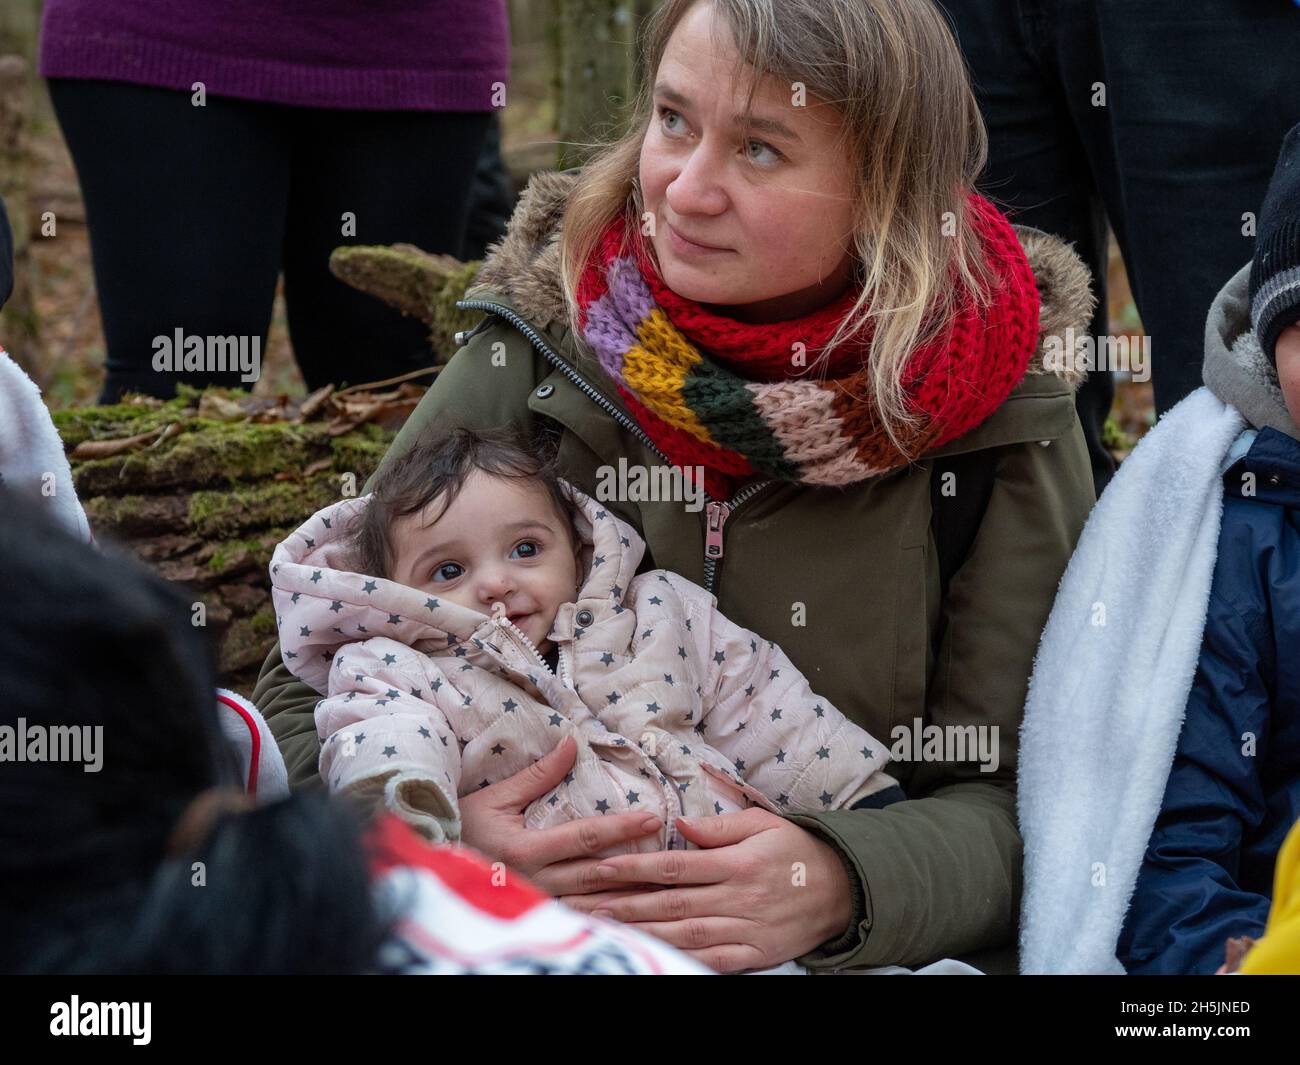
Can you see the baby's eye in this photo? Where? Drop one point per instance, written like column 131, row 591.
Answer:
column 529, row 549
column 442, row 574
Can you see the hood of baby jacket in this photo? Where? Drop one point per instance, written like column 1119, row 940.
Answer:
column 1236, row 368
column 321, row 603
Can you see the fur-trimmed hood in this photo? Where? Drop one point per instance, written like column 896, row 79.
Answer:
column 325, row 604
column 524, row 267
column 1236, row 368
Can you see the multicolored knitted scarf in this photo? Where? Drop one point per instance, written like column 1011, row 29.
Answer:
column 726, row 395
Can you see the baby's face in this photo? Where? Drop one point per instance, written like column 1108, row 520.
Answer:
column 1287, row 350
column 499, row 541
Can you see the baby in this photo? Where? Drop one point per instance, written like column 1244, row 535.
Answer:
column 473, row 610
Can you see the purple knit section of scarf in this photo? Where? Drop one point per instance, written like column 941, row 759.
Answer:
column 613, row 319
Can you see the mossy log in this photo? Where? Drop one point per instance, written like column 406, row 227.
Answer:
column 416, row 282
column 206, row 505
column 204, row 494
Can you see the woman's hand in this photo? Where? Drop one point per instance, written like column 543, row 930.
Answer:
column 558, row 860
column 762, row 891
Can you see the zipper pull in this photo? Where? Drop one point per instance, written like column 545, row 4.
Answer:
column 464, row 336
column 715, row 516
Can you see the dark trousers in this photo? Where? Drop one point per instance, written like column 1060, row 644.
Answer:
column 1198, row 95
column 194, row 212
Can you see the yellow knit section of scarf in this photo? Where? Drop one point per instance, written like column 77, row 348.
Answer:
column 656, row 370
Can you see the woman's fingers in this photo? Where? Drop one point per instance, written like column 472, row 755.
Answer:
column 700, row 933
column 516, row 792
column 566, row 851
column 665, row 867
column 667, row 904
column 594, row 901
column 727, row 829
column 731, row 958
column 658, row 903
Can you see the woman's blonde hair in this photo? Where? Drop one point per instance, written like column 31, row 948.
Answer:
column 894, row 73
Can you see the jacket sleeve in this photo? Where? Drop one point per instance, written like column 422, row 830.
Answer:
column 939, row 873
column 1187, row 902
column 474, row 389
column 385, row 742
column 764, row 717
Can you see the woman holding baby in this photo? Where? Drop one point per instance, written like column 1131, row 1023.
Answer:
column 781, row 275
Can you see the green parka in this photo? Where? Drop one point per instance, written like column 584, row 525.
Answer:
column 845, row 580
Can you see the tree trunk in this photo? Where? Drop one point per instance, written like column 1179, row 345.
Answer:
column 19, row 323
column 595, row 76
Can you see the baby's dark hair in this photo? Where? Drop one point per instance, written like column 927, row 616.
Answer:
column 438, row 464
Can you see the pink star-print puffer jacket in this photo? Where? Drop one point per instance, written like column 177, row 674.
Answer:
column 675, row 710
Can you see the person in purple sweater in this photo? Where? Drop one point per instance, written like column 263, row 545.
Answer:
column 218, row 144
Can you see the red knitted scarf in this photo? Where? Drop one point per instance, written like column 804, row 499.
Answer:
column 715, row 392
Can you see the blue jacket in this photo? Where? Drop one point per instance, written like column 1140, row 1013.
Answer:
column 1234, row 789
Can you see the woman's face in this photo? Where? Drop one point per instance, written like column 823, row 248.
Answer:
column 775, row 199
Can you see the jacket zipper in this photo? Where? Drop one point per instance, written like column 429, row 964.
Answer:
column 521, row 639
column 524, row 643
column 716, row 513
column 715, row 517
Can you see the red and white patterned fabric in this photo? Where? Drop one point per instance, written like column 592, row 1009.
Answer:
column 460, row 915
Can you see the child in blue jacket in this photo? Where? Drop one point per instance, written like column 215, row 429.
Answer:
column 1233, row 792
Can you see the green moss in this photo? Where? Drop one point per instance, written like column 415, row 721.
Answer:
column 226, row 511
column 416, row 283
column 1115, row 438
column 206, row 453
column 359, row 451
column 255, row 550
column 78, row 424
column 447, row 319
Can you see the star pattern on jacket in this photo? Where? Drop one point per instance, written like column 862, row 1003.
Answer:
column 626, row 690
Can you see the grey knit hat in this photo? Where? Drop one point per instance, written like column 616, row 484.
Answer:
column 1275, row 272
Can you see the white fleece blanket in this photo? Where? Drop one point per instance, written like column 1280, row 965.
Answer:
column 1110, row 685
column 32, row 461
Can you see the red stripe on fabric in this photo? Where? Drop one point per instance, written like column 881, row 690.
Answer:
column 256, row 749
column 392, row 844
